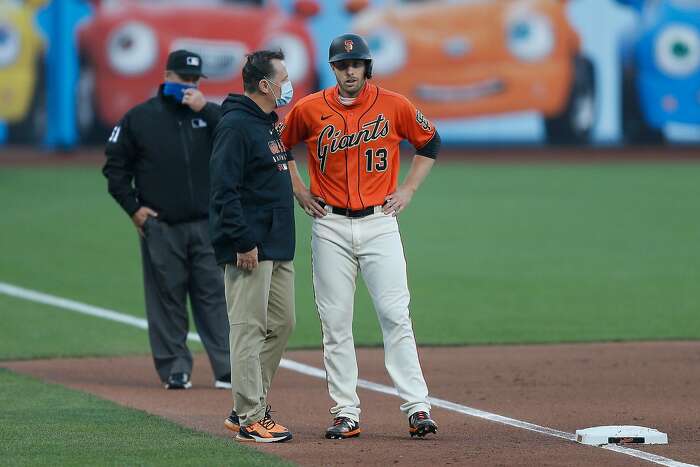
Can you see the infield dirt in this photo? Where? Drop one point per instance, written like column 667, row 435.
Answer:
column 564, row 387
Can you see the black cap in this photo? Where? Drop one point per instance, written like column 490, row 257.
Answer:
column 184, row 62
column 351, row 47
column 348, row 47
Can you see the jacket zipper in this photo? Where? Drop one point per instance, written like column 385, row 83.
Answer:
column 185, row 147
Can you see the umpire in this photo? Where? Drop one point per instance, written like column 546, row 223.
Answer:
column 158, row 171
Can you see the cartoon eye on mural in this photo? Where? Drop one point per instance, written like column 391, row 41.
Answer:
column 124, row 47
column 457, row 59
column 661, row 69
column 22, row 97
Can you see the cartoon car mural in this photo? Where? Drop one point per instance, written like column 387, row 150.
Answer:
column 661, row 69
column 21, row 71
column 468, row 58
column 124, row 48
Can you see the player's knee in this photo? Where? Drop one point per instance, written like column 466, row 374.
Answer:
column 395, row 318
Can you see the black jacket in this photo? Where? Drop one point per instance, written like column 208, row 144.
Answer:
column 158, row 156
column 251, row 189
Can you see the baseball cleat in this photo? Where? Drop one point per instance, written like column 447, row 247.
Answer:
column 342, row 428
column 232, row 423
column 178, row 381
column 420, row 424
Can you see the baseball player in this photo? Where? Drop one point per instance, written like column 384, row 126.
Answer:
column 352, row 133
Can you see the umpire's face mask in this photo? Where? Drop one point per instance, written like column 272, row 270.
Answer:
column 176, row 90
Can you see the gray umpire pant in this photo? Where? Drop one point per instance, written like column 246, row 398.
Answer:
column 178, row 260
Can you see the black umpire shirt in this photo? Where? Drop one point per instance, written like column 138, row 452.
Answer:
column 158, row 156
column 251, row 189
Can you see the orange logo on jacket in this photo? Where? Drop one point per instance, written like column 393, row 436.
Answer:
column 276, row 146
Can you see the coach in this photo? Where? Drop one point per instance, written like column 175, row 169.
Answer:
column 158, row 171
column 252, row 229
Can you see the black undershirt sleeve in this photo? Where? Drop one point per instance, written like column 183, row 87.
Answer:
column 431, row 148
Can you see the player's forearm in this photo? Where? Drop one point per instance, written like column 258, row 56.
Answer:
column 420, row 168
column 297, row 182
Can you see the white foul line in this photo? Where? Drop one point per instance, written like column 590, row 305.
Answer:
column 39, row 297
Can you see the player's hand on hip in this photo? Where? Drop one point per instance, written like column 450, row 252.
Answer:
column 309, row 204
column 398, row 200
column 248, row 260
column 194, row 99
column 140, row 217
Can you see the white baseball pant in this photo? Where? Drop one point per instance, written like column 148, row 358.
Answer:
column 340, row 247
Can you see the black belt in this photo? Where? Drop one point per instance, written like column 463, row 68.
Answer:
column 349, row 212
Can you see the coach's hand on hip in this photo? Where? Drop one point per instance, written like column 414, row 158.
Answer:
column 309, row 204
column 194, row 99
column 247, row 261
column 141, row 216
column 398, row 200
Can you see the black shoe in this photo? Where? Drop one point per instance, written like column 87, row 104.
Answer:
column 232, row 423
column 420, row 424
column 224, row 382
column 178, row 381
column 343, row 427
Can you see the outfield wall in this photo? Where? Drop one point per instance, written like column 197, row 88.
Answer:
column 500, row 71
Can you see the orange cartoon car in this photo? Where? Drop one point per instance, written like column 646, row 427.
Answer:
column 468, row 58
column 124, row 48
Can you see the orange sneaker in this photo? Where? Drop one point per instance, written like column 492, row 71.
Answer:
column 264, row 431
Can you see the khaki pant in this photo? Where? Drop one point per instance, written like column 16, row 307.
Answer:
column 261, row 318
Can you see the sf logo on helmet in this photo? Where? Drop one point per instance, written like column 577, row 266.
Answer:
column 348, row 45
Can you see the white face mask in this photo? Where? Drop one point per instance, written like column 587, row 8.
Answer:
column 286, row 92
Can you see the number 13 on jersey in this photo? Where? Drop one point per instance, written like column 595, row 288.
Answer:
column 376, row 160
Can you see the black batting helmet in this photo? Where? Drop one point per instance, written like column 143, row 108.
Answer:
column 351, row 47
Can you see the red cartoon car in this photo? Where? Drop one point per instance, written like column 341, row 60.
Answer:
column 124, row 48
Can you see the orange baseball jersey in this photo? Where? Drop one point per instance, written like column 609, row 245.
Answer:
column 354, row 150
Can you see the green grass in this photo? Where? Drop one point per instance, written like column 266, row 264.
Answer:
column 556, row 253
column 32, row 330
column 44, row 424
column 496, row 253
